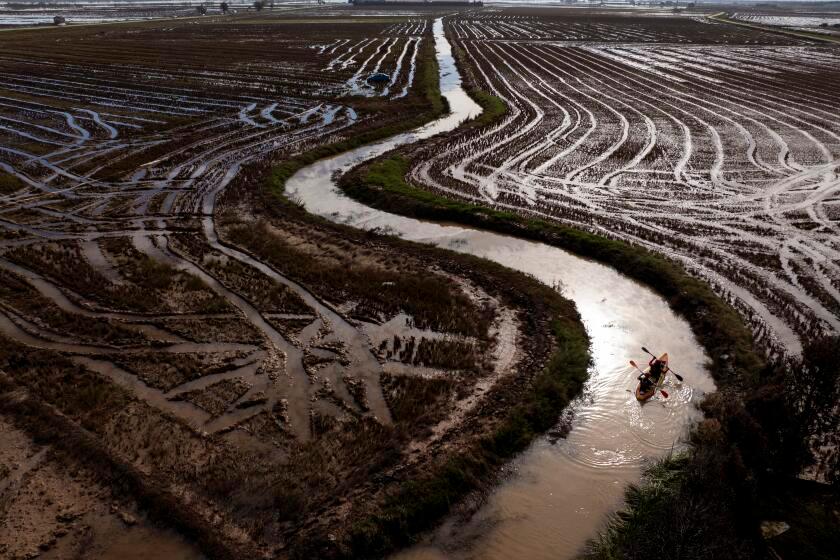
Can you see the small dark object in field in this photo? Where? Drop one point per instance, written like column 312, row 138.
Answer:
column 59, row 20
column 379, row 78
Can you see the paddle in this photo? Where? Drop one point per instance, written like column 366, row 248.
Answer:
column 661, row 390
column 677, row 375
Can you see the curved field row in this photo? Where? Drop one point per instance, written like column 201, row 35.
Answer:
column 409, row 27
column 725, row 158
column 394, row 56
column 567, row 25
column 82, row 167
column 122, row 176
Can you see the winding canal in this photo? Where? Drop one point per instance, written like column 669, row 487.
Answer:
column 557, row 494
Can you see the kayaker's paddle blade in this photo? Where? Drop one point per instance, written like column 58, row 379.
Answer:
column 677, row 375
column 664, row 393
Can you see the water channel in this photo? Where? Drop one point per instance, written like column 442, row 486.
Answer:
column 557, row 494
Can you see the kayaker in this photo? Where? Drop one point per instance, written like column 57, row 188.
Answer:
column 657, row 369
column 645, row 382
column 651, row 377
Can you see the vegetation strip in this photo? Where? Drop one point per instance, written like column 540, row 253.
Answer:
column 719, row 328
column 493, row 107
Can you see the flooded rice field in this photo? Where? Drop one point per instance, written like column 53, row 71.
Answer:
column 153, row 296
column 719, row 149
column 260, row 375
column 113, row 168
column 800, row 20
column 825, row 23
column 194, row 317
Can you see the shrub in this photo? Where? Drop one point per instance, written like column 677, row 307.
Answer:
column 744, row 456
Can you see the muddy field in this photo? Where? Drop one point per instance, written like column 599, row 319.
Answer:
column 714, row 144
column 208, row 352
column 180, row 342
column 56, row 509
column 822, row 22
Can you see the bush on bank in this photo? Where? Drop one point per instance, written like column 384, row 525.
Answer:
column 741, row 470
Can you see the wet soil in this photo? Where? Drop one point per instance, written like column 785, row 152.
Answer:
column 215, row 354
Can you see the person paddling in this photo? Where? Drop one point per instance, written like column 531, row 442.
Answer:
column 651, row 379
column 656, row 369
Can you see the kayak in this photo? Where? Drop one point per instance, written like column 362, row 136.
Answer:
column 645, row 395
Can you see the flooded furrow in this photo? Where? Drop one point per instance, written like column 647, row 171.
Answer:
column 558, row 493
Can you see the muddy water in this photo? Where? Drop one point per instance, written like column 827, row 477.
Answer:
column 556, row 495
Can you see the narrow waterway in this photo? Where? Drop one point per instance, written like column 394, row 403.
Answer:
column 556, row 495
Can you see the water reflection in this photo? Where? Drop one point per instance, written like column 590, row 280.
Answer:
column 557, row 494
